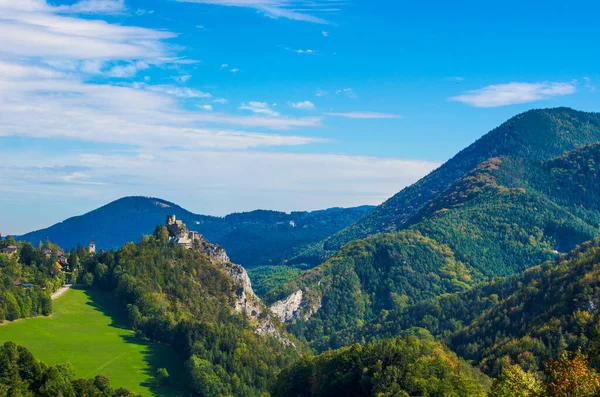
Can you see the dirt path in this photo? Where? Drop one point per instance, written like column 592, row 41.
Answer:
column 61, row 291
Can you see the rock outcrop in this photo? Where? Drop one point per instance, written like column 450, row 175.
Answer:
column 245, row 301
column 288, row 309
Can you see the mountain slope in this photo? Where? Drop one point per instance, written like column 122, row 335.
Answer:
column 535, row 135
column 506, row 215
column 254, row 238
column 525, row 319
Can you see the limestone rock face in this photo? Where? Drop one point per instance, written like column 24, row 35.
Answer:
column 245, row 300
column 288, row 309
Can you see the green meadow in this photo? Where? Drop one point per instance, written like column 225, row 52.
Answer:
column 87, row 330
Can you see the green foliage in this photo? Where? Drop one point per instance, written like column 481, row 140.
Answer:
column 179, row 297
column 536, row 135
column 397, row 367
column 501, row 218
column 26, row 280
column 22, row 375
column 514, row 382
column 267, row 278
column 87, row 329
column 162, row 377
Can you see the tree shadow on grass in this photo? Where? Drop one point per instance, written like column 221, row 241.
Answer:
column 155, row 355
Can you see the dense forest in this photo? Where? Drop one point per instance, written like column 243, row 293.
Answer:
column 251, row 239
column 398, row 367
column 183, row 298
column 501, row 218
column 22, row 375
column 28, row 277
column 539, row 134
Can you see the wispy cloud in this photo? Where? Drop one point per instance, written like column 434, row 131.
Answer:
column 325, row 33
column 348, row 92
column 128, row 70
column 589, row 85
column 179, row 92
column 514, row 93
column 305, row 105
column 95, row 7
column 281, row 181
column 182, row 79
column 309, row 51
column 259, row 108
column 365, row 115
column 32, row 28
column 300, row 10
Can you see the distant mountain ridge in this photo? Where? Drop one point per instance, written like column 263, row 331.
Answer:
column 538, row 134
column 251, row 238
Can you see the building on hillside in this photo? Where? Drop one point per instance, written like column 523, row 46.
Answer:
column 10, row 250
column 48, row 253
column 184, row 242
column 92, row 247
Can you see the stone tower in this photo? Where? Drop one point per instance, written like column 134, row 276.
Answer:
column 171, row 220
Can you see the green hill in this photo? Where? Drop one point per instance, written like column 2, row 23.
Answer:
column 533, row 135
column 524, row 319
column 506, row 215
column 252, row 239
column 398, row 367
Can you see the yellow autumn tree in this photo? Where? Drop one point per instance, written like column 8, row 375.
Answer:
column 514, row 382
column 571, row 376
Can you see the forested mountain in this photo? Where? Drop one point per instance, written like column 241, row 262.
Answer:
column 199, row 303
column 524, row 319
column 534, row 135
column 252, row 239
column 506, row 215
column 398, row 367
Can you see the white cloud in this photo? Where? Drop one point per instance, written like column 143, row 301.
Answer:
column 128, row 70
column 306, row 51
column 179, row 92
column 298, row 10
column 513, row 93
column 95, row 7
column 237, row 181
column 33, row 29
column 207, row 107
column 235, row 70
column 306, row 105
column 348, row 92
column 221, row 101
column 140, row 12
column 223, row 66
column 325, row 33
column 259, row 108
column 588, row 84
column 321, row 92
column 184, row 78
column 365, row 115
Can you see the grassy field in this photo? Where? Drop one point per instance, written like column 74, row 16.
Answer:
column 86, row 330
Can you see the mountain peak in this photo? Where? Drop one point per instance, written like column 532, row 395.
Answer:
column 538, row 134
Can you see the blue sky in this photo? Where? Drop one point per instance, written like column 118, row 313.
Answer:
column 233, row 105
